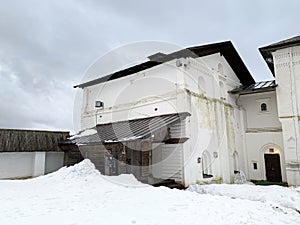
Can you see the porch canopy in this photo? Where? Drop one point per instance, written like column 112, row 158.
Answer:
column 128, row 130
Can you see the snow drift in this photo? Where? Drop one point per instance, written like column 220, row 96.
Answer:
column 285, row 197
column 81, row 195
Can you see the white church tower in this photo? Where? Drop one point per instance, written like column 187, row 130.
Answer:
column 283, row 59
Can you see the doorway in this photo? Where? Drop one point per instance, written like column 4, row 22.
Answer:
column 273, row 170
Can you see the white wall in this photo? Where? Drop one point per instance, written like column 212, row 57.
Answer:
column 14, row 165
column 39, row 164
column 215, row 124
column 255, row 118
column 287, row 71
column 167, row 159
column 29, row 164
column 54, row 161
column 263, row 129
column 147, row 93
column 200, row 86
column 257, row 144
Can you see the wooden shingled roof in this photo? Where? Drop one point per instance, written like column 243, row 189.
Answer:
column 14, row 140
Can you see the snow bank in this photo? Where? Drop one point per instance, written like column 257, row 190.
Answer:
column 285, row 197
column 83, row 170
column 127, row 180
column 81, row 195
column 86, row 170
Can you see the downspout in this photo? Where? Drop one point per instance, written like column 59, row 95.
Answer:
column 243, row 120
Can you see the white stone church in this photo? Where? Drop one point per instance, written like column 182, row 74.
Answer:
column 196, row 115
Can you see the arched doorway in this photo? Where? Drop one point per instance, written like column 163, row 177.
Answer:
column 272, row 164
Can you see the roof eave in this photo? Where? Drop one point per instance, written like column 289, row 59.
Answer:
column 266, row 54
column 266, row 51
column 224, row 48
column 259, row 90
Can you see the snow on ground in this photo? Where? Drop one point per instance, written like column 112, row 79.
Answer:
column 80, row 195
column 285, row 197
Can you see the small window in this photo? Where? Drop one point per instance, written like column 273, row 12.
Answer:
column 255, row 166
column 263, row 107
column 99, row 104
column 271, row 150
column 220, row 68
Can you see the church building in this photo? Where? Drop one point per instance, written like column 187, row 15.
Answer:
column 196, row 116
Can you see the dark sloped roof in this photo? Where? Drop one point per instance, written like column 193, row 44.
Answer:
column 130, row 130
column 13, row 140
column 224, row 48
column 262, row 86
column 266, row 51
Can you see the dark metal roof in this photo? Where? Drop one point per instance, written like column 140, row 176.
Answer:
column 14, row 140
column 130, row 130
column 262, row 86
column 266, row 51
column 224, row 48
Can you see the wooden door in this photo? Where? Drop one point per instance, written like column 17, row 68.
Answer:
column 111, row 162
column 273, row 170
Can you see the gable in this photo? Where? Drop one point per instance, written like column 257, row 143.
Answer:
column 226, row 49
column 266, row 51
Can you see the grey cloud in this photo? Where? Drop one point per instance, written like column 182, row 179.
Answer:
column 46, row 46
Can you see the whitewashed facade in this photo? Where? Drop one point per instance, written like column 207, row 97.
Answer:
column 283, row 58
column 30, row 153
column 263, row 131
column 226, row 131
column 29, row 164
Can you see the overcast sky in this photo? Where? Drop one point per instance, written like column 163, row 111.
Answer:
column 46, row 46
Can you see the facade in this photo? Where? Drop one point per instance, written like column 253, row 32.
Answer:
column 262, row 133
column 283, row 59
column 195, row 115
column 30, row 153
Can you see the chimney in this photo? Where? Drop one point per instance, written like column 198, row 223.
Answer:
column 156, row 57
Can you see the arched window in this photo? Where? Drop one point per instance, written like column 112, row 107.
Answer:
column 222, row 90
column 220, row 68
column 263, row 107
column 236, row 161
column 206, row 165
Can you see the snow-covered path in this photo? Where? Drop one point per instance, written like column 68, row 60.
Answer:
column 80, row 195
column 282, row 196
